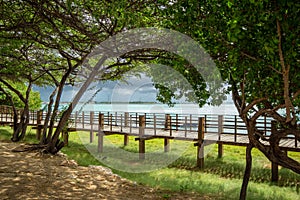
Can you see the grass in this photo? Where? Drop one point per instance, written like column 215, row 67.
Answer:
column 221, row 178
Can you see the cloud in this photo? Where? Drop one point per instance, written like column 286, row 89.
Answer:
column 132, row 89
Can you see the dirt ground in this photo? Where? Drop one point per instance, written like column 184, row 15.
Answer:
column 32, row 175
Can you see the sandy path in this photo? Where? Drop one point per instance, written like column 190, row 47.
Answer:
column 30, row 175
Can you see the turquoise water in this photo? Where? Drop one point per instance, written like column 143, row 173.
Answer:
column 224, row 109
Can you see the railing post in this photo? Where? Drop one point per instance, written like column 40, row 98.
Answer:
column 154, row 123
column 200, row 146
column 130, row 124
column 235, row 128
column 265, row 124
column 91, row 124
column 191, row 122
column 100, row 132
column 220, row 131
column 176, row 122
column 75, row 120
column 185, row 126
column 1, row 113
column 145, row 114
column 39, row 124
column 83, row 119
column 167, row 122
column 170, row 121
column 121, row 122
column 110, row 120
column 6, row 115
column 136, row 119
column 141, row 135
column 126, row 117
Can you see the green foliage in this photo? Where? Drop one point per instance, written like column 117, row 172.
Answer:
column 35, row 101
column 242, row 38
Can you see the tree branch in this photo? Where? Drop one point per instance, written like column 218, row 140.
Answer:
column 253, row 103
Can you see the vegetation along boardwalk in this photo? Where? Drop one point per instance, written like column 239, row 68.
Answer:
column 200, row 129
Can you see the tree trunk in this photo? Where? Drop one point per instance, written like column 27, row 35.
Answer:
column 55, row 145
column 247, row 172
column 47, row 119
column 21, row 127
column 15, row 115
column 52, row 114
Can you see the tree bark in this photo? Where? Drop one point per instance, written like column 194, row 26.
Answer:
column 247, row 173
column 55, row 145
column 20, row 129
column 47, row 119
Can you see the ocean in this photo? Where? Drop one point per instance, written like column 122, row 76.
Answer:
column 184, row 108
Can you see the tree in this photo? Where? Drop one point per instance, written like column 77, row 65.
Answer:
column 34, row 99
column 18, row 74
column 255, row 44
column 70, row 29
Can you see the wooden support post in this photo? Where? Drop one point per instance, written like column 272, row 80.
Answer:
column 65, row 135
column 91, row 124
column 38, row 124
column 220, row 150
column 220, row 131
column 100, row 132
column 141, row 135
column 126, row 139
column 126, row 119
column 167, row 144
column 200, row 146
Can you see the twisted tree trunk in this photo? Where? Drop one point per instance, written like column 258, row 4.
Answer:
column 247, row 173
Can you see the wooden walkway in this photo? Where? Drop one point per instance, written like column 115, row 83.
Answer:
column 202, row 130
column 228, row 129
column 216, row 129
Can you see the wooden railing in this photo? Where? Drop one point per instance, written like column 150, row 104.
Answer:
column 201, row 129
column 177, row 126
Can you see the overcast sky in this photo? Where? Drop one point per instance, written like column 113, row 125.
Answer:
column 135, row 89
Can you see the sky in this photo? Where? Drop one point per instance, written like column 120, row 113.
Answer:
column 134, row 90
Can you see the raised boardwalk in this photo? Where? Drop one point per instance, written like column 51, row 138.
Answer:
column 201, row 129
column 227, row 129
